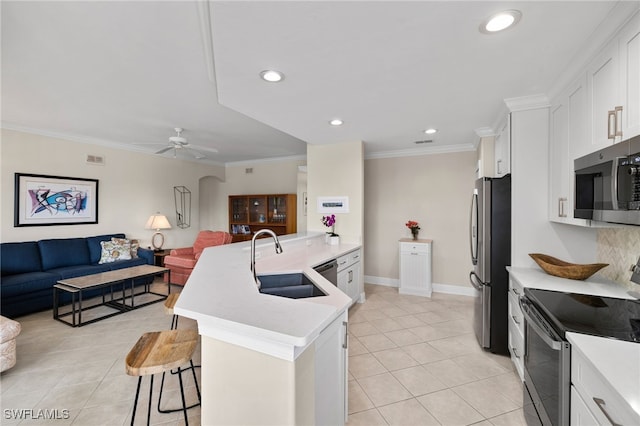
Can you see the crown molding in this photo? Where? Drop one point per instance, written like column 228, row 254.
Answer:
column 483, row 132
column 266, row 160
column 525, row 103
column 420, row 151
column 94, row 141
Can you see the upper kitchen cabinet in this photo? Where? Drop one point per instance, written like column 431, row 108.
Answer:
column 568, row 125
column 613, row 87
column 630, row 77
column 502, row 149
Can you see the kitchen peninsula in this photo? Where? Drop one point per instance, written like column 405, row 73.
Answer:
column 268, row 359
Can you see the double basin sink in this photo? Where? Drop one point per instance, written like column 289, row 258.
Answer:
column 293, row 286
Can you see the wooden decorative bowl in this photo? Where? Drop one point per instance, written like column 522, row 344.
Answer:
column 562, row 269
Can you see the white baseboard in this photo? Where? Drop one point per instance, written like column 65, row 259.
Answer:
column 438, row 288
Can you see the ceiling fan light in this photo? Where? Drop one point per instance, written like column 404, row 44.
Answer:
column 272, row 76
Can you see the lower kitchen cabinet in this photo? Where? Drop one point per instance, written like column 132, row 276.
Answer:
column 516, row 326
column 350, row 274
column 415, row 267
column 331, row 389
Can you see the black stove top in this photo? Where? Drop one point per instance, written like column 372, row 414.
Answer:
column 595, row 315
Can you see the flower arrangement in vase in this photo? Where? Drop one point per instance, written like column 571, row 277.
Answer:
column 414, row 227
column 331, row 237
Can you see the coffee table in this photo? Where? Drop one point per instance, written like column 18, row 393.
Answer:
column 118, row 293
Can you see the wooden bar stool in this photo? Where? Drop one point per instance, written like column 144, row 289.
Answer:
column 169, row 303
column 159, row 352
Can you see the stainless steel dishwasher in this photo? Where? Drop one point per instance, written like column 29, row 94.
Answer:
column 329, row 270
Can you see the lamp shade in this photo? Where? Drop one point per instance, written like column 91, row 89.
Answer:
column 158, row 221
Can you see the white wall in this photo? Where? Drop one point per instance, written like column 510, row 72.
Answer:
column 434, row 190
column 532, row 232
column 337, row 170
column 132, row 186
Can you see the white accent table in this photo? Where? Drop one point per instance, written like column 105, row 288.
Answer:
column 415, row 267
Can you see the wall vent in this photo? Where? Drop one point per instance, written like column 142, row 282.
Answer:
column 248, row 170
column 425, row 141
column 95, row 159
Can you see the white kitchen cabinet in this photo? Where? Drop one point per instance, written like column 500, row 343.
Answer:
column 502, row 149
column 602, row 401
column 579, row 412
column 415, row 267
column 350, row 274
column 629, row 45
column 568, row 125
column 613, row 81
column 331, row 355
column 516, row 326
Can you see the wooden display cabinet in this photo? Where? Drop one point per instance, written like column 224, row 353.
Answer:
column 250, row 213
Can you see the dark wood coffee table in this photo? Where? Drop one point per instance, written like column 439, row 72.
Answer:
column 118, row 293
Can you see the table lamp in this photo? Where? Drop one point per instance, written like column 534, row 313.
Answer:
column 157, row 221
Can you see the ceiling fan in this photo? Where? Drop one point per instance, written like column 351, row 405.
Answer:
column 179, row 142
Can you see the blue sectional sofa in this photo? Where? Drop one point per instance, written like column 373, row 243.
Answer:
column 30, row 269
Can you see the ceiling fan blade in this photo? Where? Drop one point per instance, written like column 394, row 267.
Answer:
column 163, row 150
column 203, row 148
column 196, row 154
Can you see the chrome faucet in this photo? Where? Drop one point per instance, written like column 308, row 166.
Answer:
column 253, row 250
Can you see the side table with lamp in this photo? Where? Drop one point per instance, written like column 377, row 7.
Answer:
column 157, row 221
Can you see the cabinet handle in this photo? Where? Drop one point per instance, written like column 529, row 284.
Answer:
column 611, row 119
column 618, row 121
column 346, row 332
column 498, row 164
column 515, row 352
column 602, row 406
column 515, row 319
column 350, row 275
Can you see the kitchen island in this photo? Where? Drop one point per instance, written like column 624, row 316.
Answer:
column 269, row 359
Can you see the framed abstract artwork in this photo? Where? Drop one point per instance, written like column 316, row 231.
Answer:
column 42, row 200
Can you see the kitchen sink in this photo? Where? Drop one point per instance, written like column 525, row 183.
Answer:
column 293, row 286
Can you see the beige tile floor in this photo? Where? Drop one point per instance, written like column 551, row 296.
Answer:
column 412, row 361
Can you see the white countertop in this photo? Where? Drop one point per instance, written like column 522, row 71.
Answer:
column 222, row 296
column 617, row 361
column 594, row 285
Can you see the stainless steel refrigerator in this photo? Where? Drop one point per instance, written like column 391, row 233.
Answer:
column 490, row 236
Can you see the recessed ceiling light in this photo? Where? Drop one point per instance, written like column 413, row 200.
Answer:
column 336, row 122
column 430, row 131
column 272, row 76
column 500, row 21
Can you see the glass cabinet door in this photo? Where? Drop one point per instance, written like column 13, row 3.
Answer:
column 239, row 210
column 277, row 209
column 257, row 210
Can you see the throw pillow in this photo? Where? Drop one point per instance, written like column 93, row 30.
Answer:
column 112, row 252
column 134, row 245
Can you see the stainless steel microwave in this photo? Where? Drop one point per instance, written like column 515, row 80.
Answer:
column 607, row 184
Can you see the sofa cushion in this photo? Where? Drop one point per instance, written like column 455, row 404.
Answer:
column 18, row 258
column 113, row 251
column 121, row 264
column 61, row 252
column 79, row 270
column 95, row 250
column 28, row 282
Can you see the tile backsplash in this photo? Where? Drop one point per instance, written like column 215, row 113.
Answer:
column 620, row 248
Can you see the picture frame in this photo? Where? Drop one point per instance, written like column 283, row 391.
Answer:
column 333, row 204
column 246, row 229
column 43, row 200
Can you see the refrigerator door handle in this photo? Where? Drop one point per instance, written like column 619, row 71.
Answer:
column 476, row 284
column 473, row 227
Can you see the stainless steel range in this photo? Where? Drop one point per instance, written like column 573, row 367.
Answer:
column 548, row 316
